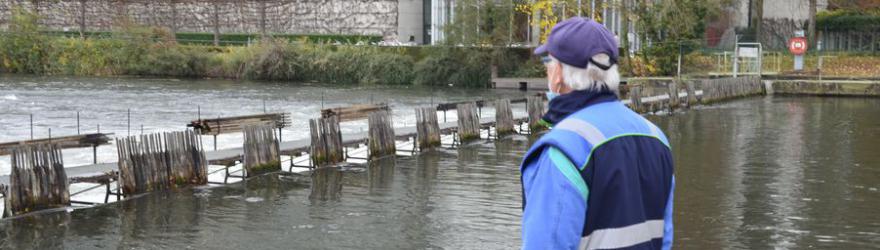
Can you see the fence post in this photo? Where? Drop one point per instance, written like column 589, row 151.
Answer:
column 535, row 108
column 503, row 118
column 427, row 128
column 468, row 122
column 381, row 135
column 326, row 141
column 635, row 98
column 261, row 149
column 673, row 95
column 37, row 179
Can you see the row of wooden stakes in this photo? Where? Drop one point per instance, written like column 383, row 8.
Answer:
column 328, row 147
column 171, row 160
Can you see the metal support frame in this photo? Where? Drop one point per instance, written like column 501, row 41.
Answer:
column 227, row 175
column 736, row 56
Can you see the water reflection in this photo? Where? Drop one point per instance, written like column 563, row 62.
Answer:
column 380, row 175
column 755, row 174
column 326, row 184
column 41, row 231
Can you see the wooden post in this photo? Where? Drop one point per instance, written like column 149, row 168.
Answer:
column 326, row 141
column 427, row 128
column 635, row 97
column 186, row 158
column 673, row 95
column 691, row 94
column 708, row 91
column 37, row 180
column 468, row 122
column 381, row 132
column 160, row 161
column 503, row 118
column 261, row 150
column 535, row 108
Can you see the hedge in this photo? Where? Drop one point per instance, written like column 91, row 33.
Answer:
column 842, row 20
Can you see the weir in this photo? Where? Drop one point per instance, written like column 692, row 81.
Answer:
column 169, row 160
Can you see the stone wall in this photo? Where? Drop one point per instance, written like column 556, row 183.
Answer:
column 362, row 17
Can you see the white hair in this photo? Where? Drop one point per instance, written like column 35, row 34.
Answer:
column 592, row 77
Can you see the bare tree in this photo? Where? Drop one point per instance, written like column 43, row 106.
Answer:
column 758, row 18
column 811, row 30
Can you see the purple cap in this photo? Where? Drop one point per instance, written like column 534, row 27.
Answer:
column 576, row 40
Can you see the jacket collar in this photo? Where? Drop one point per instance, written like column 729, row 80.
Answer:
column 564, row 105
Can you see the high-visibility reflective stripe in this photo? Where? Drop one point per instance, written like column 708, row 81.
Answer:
column 582, row 128
column 569, row 171
column 623, row 236
column 655, row 131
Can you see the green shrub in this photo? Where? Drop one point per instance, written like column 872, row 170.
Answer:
column 435, row 70
column 23, row 48
column 388, row 68
column 271, row 60
column 844, row 20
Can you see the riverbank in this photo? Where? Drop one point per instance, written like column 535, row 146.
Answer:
column 25, row 47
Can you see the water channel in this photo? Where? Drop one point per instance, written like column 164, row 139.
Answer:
column 756, row 173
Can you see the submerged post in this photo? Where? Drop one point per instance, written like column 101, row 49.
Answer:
column 381, row 140
column 37, row 180
column 186, row 158
column 535, row 108
column 326, row 146
column 427, row 128
column 503, row 118
column 262, row 153
column 160, row 161
column 635, row 97
column 691, row 94
column 673, row 95
column 468, row 122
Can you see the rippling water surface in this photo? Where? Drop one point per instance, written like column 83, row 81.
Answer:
column 758, row 173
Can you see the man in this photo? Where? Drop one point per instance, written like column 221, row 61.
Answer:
column 602, row 177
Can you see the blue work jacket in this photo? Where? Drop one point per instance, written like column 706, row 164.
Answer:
column 601, row 178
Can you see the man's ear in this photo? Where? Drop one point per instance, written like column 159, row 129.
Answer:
column 557, row 73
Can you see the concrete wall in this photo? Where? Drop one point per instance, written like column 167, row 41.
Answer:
column 367, row 17
column 410, row 20
column 826, row 88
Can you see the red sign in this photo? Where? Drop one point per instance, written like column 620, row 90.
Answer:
column 797, row 45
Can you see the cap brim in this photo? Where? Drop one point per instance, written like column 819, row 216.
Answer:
column 541, row 50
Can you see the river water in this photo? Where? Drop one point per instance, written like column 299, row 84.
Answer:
column 757, row 173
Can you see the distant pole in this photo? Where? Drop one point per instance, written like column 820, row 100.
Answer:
column 579, row 8
column 99, row 128
column 77, row 122
column 50, row 133
column 322, row 100
column 199, row 112
column 32, row 126
column 679, row 60
column 592, row 9
column 264, row 106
